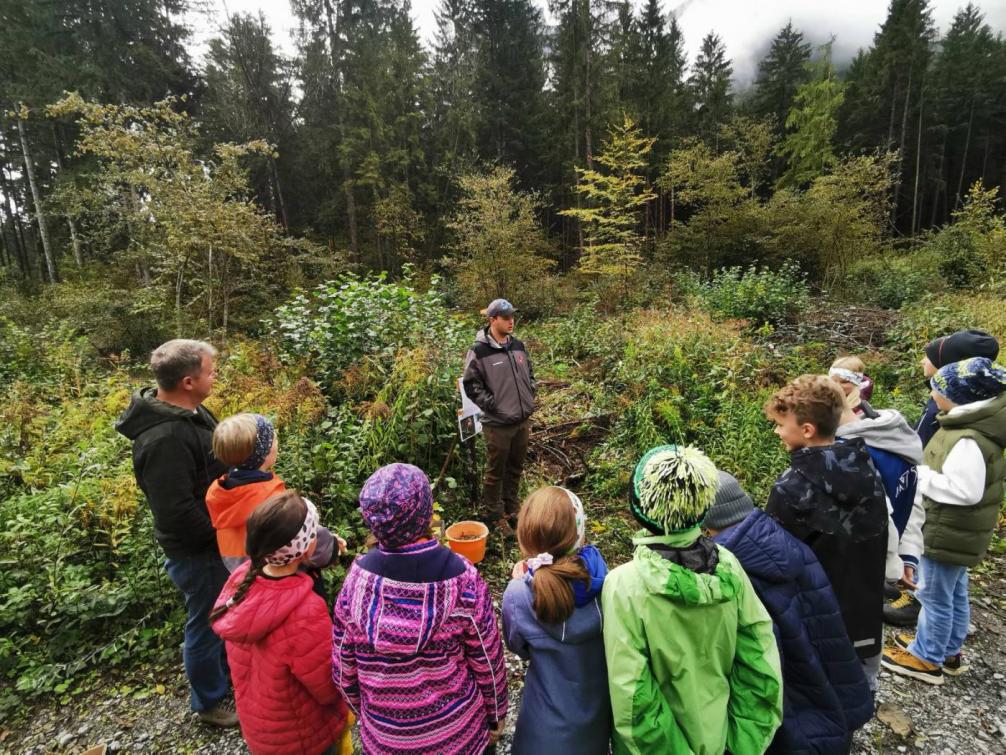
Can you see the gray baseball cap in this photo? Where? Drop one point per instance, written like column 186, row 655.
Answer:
column 500, row 308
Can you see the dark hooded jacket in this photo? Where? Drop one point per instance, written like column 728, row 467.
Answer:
column 825, row 694
column 565, row 706
column 174, row 465
column 499, row 379
column 832, row 498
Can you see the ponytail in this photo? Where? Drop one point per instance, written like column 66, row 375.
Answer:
column 253, row 571
column 553, row 591
column 547, row 524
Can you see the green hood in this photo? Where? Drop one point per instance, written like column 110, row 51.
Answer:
column 676, row 582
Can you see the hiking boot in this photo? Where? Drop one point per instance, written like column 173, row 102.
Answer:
column 504, row 530
column 904, row 611
column 891, row 591
column 219, row 716
column 955, row 665
column 900, row 661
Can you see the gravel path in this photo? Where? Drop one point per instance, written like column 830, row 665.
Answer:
column 146, row 711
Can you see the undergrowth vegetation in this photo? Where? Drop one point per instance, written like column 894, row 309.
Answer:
column 362, row 371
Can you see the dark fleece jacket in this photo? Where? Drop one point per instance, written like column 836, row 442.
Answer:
column 832, row 498
column 174, row 465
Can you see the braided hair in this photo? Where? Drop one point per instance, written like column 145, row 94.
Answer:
column 271, row 526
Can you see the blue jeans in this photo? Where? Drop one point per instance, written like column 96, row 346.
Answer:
column 200, row 579
column 943, row 621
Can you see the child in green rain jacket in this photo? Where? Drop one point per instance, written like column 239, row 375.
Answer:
column 693, row 665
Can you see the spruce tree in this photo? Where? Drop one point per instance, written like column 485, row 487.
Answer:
column 780, row 73
column 812, row 123
column 710, row 86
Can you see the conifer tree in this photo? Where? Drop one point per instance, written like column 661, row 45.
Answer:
column 780, row 74
column 812, row 123
column 710, row 85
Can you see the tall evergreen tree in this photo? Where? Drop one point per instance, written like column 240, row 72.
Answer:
column 967, row 105
column 780, row 73
column 248, row 96
column 812, row 124
column 886, row 93
column 509, row 85
column 710, row 85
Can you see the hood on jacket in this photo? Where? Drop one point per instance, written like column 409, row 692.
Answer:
column 265, row 607
column 840, row 489
column 400, row 618
column 597, row 568
column 889, row 431
column 662, row 576
column 483, row 337
column 230, row 507
column 145, row 411
column 765, row 549
column 986, row 417
column 581, row 626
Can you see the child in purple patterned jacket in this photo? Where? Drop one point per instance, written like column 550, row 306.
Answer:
column 417, row 652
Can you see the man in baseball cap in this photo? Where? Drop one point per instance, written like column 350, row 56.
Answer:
column 499, row 379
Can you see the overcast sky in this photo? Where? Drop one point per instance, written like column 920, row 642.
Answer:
column 745, row 26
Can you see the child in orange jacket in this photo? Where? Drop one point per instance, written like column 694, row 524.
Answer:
column 248, row 445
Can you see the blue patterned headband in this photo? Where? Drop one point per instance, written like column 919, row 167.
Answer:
column 264, row 435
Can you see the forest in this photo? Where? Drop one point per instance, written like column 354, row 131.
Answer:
column 677, row 247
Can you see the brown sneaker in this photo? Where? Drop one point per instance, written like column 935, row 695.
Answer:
column 955, row 665
column 219, row 716
column 900, row 661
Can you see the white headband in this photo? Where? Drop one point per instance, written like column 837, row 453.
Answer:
column 578, row 515
column 856, row 378
column 299, row 545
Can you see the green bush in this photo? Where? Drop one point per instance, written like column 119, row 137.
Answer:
column 762, row 296
column 342, row 321
column 890, row 281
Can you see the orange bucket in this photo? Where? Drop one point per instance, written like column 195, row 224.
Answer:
column 468, row 539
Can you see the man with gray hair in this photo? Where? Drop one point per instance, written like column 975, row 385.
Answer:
column 173, row 461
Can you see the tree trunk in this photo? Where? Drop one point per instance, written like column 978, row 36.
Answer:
column 43, row 229
column 899, row 174
column 78, row 256
column 178, row 302
column 347, row 174
column 940, row 182
column 283, row 218
column 209, row 289
column 20, row 252
column 918, row 158
column 964, row 157
column 588, row 91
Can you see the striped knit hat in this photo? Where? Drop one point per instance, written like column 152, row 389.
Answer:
column 397, row 504
column 969, row 381
column 672, row 487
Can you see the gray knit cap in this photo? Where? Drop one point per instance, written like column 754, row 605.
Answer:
column 732, row 504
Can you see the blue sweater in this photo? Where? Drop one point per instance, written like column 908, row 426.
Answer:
column 565, row 706
column 825, row 694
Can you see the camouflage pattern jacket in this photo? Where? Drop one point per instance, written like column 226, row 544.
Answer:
column 832, row 498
